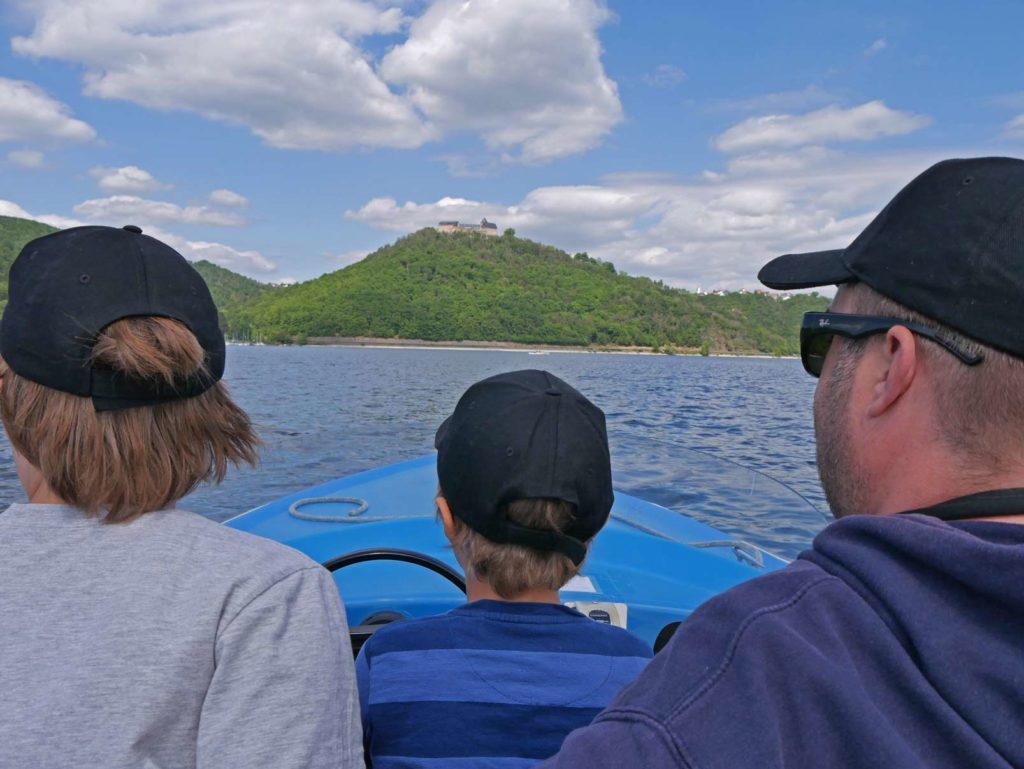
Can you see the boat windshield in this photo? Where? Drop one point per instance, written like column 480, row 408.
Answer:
column 749, row 503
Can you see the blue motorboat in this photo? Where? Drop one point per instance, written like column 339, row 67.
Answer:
column 648, row 569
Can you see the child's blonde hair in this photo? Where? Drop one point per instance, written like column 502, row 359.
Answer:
column 129, row 461
column 513, row 569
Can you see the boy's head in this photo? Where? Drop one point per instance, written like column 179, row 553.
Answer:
column 523, row 466
column 111, row 357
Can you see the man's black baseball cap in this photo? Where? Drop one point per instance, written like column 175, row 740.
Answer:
column 950, row 245
column 526, row 435
column 66, row 287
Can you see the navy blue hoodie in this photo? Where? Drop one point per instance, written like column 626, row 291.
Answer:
column 895, row 641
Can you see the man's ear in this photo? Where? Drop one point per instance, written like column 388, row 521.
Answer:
column 447, row 519
column 897, row 368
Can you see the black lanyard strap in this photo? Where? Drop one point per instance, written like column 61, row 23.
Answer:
column 984, row 504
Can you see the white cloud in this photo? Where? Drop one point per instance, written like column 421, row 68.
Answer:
column 574, row 217
column 131, row 209
column 876, row 47
column 58, row 221
column 1015, row 128
column 804, row 98
column 780, row 162
column 714, row 231
column 285, row 281
column 290, row 71
column 28, row 113
column 831, row 124
column 240, row 260
column 346, row 258
column 665, row 76
column 228, row 198
column 10, row 208
column 27, row 158
column 225, row 256
column 527, row 75
column 127, row 179
column 246, row 261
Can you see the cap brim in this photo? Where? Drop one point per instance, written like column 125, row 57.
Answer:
column 820, row 268
column 441, row 433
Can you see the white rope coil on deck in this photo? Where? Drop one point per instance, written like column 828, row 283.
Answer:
column 352, row 516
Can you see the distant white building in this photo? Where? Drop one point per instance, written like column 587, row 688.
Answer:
column 484, row 228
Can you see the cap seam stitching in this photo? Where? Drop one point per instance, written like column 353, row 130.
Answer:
column 991, row 236
column 145, row 274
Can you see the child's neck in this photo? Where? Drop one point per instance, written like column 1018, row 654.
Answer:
column 477, row 590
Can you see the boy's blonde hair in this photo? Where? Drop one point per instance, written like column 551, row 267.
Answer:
column 511, row 570
column 132, row 461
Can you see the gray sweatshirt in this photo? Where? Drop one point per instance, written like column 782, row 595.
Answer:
column 168, row 643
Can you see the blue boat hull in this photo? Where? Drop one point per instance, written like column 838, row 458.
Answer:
column 657, row 562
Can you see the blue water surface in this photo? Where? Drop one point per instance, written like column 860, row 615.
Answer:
column 726, row 440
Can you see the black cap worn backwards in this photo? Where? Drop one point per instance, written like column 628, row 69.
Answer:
column 526, row 435
column 66, row 287
column 950, row 245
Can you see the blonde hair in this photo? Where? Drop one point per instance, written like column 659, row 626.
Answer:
column 513, row 569
column 131, row 461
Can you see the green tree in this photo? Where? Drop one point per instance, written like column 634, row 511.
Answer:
column 463, row 286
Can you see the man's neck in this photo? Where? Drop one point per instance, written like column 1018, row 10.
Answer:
column 477, row 590
column 909, row 498
column 1017, row 519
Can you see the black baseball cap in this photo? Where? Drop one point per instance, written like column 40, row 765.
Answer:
column 526, row 435
column 950, row 246
column 66, row 287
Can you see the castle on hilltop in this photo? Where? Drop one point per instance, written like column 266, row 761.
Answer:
column 484, row 228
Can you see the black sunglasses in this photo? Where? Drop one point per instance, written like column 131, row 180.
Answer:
column 819, row 328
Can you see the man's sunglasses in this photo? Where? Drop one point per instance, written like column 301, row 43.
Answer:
column 820, row 328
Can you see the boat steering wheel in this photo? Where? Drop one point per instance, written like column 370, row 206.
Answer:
column 361, row 633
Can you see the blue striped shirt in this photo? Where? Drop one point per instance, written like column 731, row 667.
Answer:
column 489, row 685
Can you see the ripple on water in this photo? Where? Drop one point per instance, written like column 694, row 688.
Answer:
column 327, row 412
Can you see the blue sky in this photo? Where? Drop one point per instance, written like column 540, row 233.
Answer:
column 686, row 141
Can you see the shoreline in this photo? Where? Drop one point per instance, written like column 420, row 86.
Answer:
column 427, row 344
column 378, row 343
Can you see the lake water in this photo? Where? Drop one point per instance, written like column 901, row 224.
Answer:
column 726, row 440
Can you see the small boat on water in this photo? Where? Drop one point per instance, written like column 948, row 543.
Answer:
column 647, row 570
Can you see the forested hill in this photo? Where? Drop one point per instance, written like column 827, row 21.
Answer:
column 229, row 289
column 465, row 286
column 15, row 233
